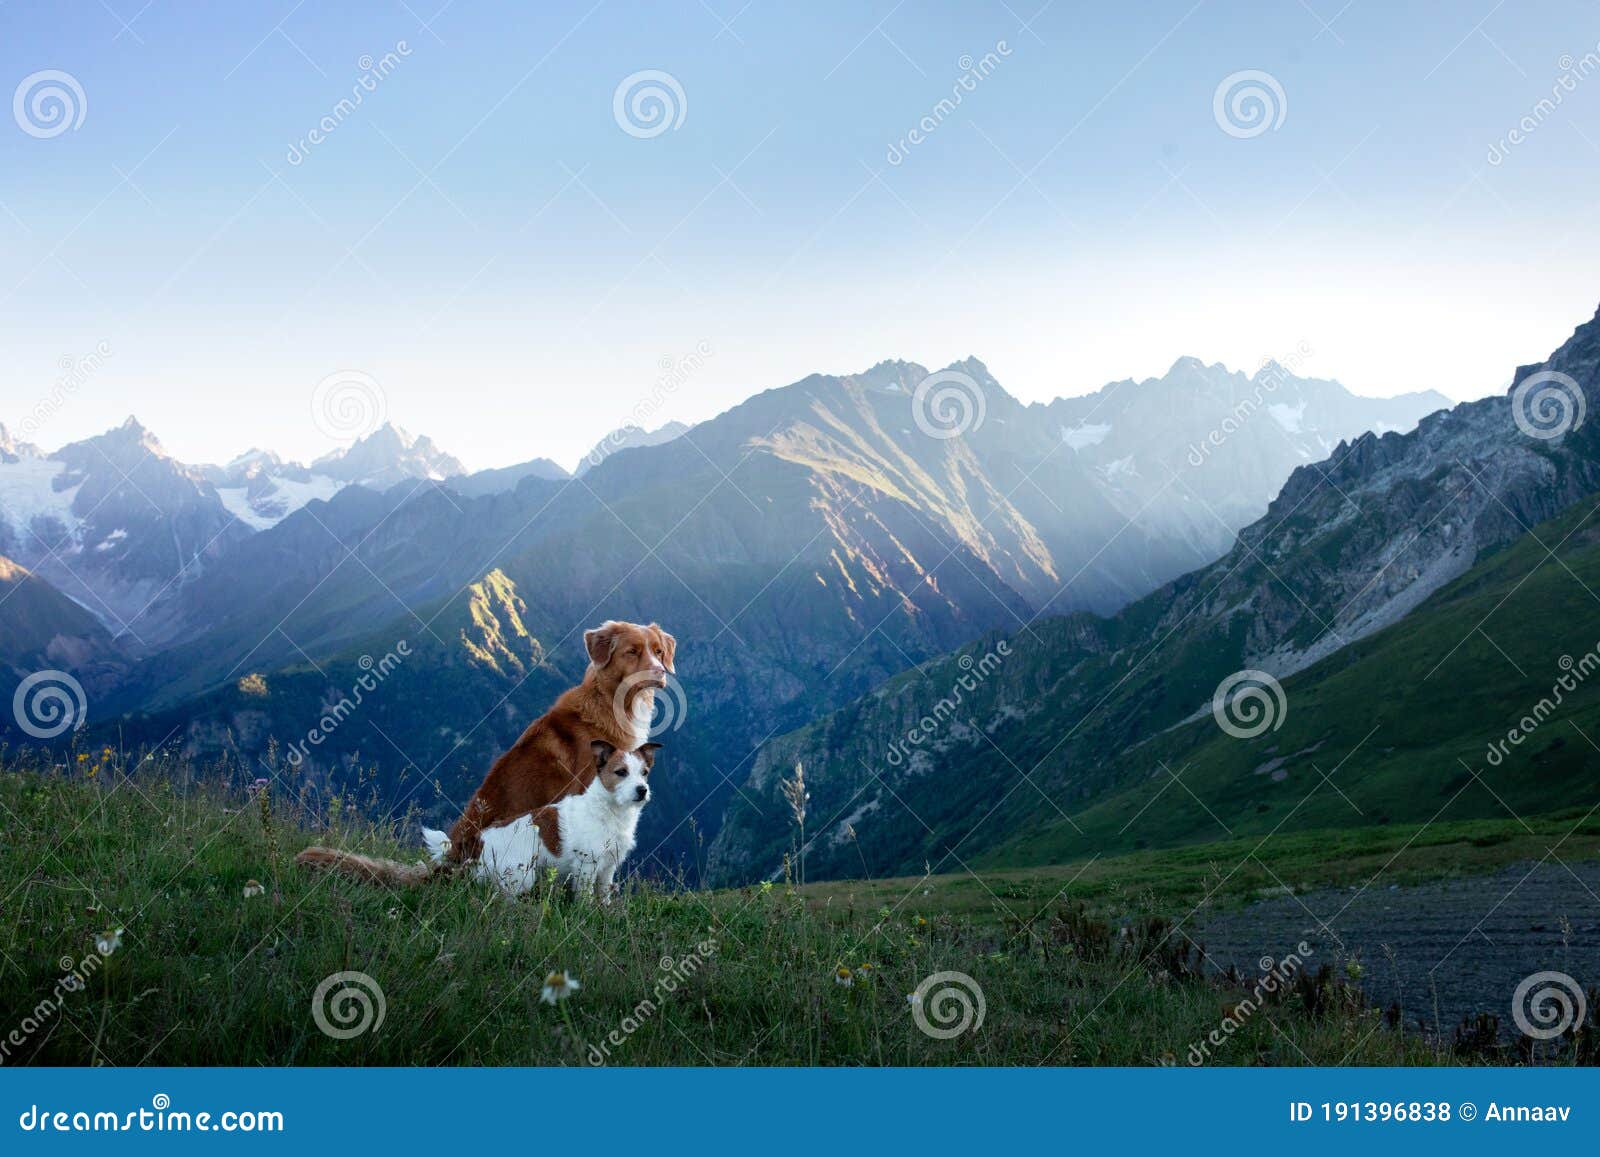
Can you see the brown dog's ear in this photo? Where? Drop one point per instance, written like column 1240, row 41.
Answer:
column 603, row 752
column 601, row 642
column 648, row 751
column 668, row 644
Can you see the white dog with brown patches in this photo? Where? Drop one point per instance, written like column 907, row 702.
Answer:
column 583, row 837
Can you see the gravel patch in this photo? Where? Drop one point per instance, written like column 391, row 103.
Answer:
column 1460, row 946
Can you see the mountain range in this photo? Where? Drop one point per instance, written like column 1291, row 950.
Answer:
column 806, row 546
column 1080, row 723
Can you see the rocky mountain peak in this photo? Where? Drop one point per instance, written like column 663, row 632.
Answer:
column 125, row 445
column 893, row 374
column 387, row 456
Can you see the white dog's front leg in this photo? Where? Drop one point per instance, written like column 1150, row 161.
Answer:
column 605, row 882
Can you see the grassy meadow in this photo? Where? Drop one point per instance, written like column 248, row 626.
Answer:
column 215, row 949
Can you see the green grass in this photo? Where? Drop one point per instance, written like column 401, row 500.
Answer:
column 1231, row 872
column 206, row 975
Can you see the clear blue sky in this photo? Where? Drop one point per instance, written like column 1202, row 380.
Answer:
column 483, row 238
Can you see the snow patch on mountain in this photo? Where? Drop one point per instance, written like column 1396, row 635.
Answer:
column 1291, row 418
column 263, row 511
column 29, row 495
column 1088, row 434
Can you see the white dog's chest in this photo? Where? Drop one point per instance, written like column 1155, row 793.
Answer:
column 593, row 845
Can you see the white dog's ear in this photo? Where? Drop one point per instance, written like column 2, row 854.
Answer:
column 647, row 752
column 602, row 752
column 601, row 642
column 669, row 645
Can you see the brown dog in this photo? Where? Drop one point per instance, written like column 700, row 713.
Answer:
column 554, row 757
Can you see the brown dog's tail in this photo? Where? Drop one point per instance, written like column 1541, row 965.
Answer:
column 368, row 868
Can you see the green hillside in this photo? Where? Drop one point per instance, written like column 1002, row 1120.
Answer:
column 1400, row 723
